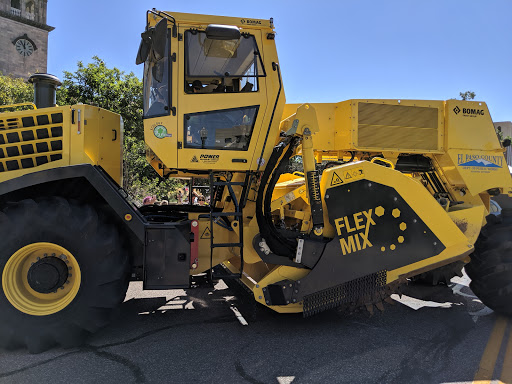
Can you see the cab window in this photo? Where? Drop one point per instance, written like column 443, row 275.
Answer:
column 229, row 129
column 221, row 66
column 156, row 86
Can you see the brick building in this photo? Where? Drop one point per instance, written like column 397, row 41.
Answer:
column 24, row 37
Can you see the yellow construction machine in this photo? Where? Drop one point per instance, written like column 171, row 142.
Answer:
column 312, row 206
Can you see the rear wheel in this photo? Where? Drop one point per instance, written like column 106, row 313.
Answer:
column 490, row 268
column 62, row 273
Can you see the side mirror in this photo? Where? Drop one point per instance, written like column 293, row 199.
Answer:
column 159, row 40
column 144, row 49
column 222, row 32
column 153, row 43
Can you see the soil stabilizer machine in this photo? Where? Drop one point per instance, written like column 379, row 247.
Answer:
column 313, row 206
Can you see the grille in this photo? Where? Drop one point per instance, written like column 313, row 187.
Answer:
column 344, row 293
column 30, row 141
column 401, row 127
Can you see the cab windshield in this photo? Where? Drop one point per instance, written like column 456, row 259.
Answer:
column 221, row 66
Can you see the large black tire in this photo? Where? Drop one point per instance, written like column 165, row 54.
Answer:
column 441, row 275
column 96, row 247
column 490, row 268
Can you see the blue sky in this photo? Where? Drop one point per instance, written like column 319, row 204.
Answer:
column 329, row 51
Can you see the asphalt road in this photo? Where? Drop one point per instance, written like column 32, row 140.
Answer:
column 194, row 336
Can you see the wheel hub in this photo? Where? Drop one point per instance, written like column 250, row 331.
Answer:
column 41, row 279
column 47, row 274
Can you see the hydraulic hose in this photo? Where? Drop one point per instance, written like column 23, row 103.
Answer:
column 277, row 243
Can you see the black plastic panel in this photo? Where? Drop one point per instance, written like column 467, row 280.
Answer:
column 167, row 256
column 376, row 230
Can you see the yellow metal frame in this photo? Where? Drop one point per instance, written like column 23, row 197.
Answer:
column 18, row 105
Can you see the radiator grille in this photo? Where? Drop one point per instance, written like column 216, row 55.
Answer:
column 386, row 126
column 29, row 141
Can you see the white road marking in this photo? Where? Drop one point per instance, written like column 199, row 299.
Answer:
column 416, row 304
column 459, row 284
column 239, row 316
column 285, row 379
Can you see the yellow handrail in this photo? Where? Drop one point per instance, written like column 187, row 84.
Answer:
column 18, row 105
column 384, row 161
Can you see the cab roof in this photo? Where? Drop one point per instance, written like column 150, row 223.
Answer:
column 190, row 18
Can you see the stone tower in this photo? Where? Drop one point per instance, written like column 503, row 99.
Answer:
column 23, row 37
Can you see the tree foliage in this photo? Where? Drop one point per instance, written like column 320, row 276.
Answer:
column 14, row 91
column 468, row 95
column 112, row 89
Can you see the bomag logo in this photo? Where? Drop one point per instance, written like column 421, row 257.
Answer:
column 251, row 22
column 354, row 231
column 472, row 111
column 469, row 112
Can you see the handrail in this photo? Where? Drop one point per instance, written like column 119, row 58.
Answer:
column 18, row 105
column 381, row 159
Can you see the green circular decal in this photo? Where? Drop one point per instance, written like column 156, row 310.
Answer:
column 160, row 131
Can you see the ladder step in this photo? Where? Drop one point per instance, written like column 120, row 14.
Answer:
column 225, row 245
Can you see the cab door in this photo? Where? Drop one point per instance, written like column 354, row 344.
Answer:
column 221, row 93
column 160, row 120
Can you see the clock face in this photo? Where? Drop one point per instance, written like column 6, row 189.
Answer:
column 24, row 47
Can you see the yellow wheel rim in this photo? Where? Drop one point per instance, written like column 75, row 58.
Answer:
column 18, row 290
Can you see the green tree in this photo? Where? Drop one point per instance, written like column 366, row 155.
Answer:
column 112, row 89
column 468, row 95
column 14, row 91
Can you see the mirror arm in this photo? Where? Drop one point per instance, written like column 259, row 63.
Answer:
column 168, row 17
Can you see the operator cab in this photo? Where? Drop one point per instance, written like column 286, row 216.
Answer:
column 206, row 92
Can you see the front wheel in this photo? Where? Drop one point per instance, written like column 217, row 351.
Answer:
column 490, row 268
column 62, row 273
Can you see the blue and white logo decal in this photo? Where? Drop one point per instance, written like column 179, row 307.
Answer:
column 480, row 161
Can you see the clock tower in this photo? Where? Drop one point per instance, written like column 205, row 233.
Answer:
column 24, row 37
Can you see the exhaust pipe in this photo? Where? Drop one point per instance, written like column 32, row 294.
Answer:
column 45, row 89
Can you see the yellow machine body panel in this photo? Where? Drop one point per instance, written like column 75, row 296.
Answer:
column 474, row 158
column 412, row 126
column 40, row 139
column 458, row 135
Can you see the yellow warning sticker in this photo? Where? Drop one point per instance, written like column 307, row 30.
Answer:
column 336, row 179
column 206, row 234
column 353, row 174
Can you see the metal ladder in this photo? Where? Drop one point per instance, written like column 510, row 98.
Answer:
column 237, row 215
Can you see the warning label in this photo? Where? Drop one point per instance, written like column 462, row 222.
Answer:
column 206, row 233
column 340, row 177
column 353, row 174
column 336, row 179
